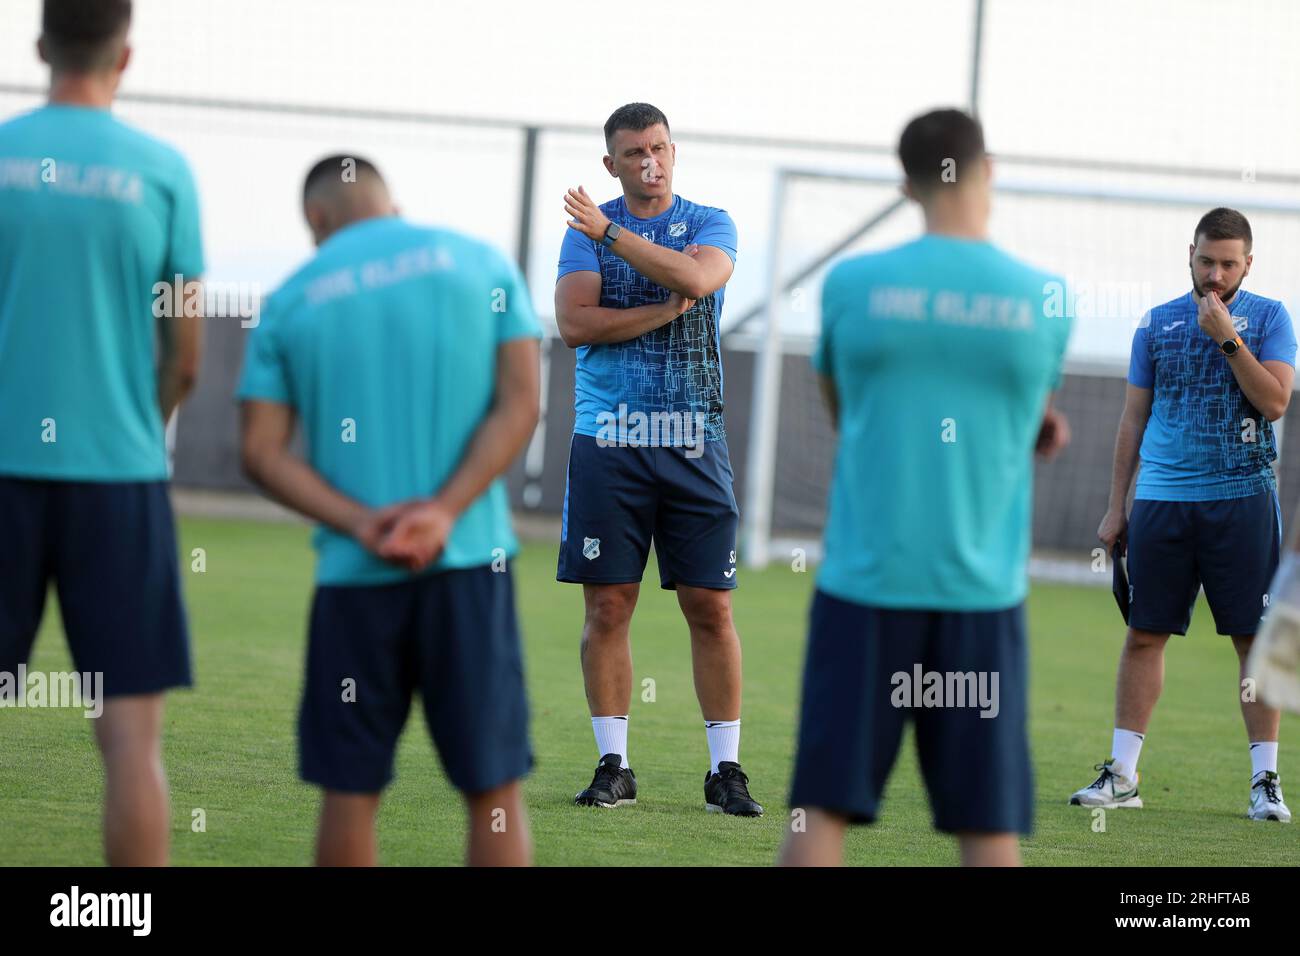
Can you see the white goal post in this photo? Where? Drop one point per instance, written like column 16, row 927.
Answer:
column 771, row 344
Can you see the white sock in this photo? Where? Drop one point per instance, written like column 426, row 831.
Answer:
column 611, row 736
column 724, row 741
column 1125, row 747
column 1263, row 756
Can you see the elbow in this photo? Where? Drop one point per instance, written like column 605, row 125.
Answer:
column 1276, row 408
column 185, row 369
column 532, row 414
column 186, row 380
column 694, row 289
column 697, row 283
column 179, row 374
column 570, row 334
column 250, row 462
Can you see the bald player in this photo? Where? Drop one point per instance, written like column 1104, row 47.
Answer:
column 96, row 220
column 409, row 356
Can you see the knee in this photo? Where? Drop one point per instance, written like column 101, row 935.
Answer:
column 505, row 797
column 608, row 613
column 1144, row 641
column 709, row 614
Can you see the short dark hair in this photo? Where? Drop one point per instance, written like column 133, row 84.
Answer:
column 931, row 139
column 79, row 35
column 633, row 116
column 1223, row 223
column 332, row 167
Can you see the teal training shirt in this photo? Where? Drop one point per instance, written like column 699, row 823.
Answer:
column 943, row 352
column 386, row 344
column 93, row 214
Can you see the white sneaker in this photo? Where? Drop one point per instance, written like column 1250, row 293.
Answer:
column 1110, row 790
column 1266, row 799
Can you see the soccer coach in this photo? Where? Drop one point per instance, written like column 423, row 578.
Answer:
column 639, row 296
column 1209, row 371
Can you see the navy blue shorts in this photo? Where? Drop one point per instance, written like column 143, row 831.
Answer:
column 110, row 549
column 452, row 636
column 1231, row 547
column 869, row 670
column 620, row 499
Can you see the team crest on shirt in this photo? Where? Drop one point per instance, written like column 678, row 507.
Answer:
column 591, row 548
column 677, row 229
column 1239, row 323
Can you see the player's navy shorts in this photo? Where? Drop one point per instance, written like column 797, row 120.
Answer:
column 868, row 671
column 619, row 499
column 110, row 549
column 1231, row 547
column 452, row 636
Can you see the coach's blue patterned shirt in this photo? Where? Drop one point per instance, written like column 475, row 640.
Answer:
column 1205, row 440
column 676, row 368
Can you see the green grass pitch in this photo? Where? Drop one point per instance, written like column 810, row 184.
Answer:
column 230, row 741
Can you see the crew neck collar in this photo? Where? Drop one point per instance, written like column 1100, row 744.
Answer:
column 667, row 212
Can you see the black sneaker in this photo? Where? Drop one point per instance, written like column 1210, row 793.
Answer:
column 613, row 785
column 727, row 792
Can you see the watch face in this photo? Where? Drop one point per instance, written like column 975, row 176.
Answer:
column 1229, row 347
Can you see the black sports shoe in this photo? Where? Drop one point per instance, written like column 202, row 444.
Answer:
column 727, row 792
column 613, row 785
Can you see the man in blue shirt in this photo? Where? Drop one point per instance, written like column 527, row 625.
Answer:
column 96, row 218
column 1209, row 372
column 639, row 295
column 938, row 359
column 410, row 357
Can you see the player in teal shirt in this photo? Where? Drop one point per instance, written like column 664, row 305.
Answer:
column 367, row 301
column 409, row 356
column 938, row 360
column 942, row 358
column 86, row 372
column 96, row 219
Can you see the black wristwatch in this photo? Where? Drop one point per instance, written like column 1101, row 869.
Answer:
column 612, row 232
column 1231, row 346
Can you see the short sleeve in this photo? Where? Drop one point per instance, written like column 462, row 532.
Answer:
column 1065, row 325
column 265, row 376
column 1279, row 343
column 185, row 239
column 1141, row 370
column 718, row 230
column 517, row 319
column 577, row 254
column 822, row 354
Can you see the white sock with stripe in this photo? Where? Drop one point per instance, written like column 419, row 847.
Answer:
column 1263, row 756
column 1126, row 747
column 724, row 741
column 611, row 736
